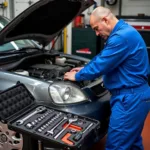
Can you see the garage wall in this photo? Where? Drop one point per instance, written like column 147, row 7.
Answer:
column 20, row 5
column 132, row 7
column 4, row 11
column 15, row 7
column 129, row 7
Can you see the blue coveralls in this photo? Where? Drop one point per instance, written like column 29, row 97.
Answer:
column 124, row 64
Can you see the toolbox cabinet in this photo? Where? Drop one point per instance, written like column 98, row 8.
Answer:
column 85, row 43
column 52, row 127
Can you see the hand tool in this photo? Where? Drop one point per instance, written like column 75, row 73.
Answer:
column 39, row 145
column 44, row 126
column 87, row 128
column 74, row 127
column 39, row 109
column 71, row 120
column 52, row 130
column 78, row 136
column 66, row 140
column 29, row 125
column 39, row 130
column 73, row 131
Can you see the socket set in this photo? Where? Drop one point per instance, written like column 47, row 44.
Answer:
column 47, row 124
column 53, row 125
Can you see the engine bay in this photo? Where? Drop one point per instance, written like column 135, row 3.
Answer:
column 48, row 71
column 52, row 67
column 48, row 68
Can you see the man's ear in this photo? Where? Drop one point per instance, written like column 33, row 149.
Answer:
column 105, row 20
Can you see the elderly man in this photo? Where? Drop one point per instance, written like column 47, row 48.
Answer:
column 124, row 65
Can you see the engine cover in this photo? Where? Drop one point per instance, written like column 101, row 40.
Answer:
column 48, row 71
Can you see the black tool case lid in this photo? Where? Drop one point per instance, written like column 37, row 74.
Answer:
column 13, row 101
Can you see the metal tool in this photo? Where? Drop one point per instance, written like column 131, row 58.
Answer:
column 78, row 136
column 71, row 120
column 66, row 140
column 88, row 127
column 52, row 130
column 29, row 125
column 39, row 109
column 73, row 131
column 39, row 145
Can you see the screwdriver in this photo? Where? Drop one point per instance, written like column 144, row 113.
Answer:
column 78, row 136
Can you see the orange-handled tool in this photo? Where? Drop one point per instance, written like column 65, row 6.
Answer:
column 66, row 140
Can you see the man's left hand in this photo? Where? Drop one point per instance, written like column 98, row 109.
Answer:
column 70, row 76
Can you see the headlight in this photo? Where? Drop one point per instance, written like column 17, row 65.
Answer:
column 63, row 93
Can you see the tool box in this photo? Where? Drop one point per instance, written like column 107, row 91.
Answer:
column 20, row 111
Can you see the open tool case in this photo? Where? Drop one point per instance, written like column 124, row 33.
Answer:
column 22, row 114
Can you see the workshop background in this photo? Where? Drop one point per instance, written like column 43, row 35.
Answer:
column 78, row 38
column 11, row 8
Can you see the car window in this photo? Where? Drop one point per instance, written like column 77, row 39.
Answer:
column 16, row 45
column 24, row 43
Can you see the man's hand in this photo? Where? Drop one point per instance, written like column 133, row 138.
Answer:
column 70, row 76
column 76, row 69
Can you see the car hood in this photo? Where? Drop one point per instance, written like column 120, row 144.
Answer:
column 43, row 21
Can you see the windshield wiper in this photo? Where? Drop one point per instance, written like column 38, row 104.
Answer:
column 29, row 47
column 12, row 52
column 20, row 51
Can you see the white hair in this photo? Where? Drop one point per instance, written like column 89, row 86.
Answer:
column 101, row 12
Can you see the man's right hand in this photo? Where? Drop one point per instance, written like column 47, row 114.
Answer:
column 76, row 69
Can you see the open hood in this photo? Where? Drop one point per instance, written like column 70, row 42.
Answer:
column 43, row 21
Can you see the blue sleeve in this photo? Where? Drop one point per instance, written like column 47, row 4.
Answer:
column 114, row 53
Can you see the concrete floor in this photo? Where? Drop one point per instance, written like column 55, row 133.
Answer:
column 145, row 135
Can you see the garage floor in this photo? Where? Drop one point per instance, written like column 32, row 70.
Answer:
column 145, row 134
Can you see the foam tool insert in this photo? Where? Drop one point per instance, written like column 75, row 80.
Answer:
column 13, row 100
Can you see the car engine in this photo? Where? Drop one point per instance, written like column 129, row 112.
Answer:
column 49, row 69
column 48, row 72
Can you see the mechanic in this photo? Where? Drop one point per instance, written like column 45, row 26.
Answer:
column 124, row 65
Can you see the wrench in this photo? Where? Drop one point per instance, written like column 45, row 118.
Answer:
column 71, row 120
column 52, row 130
column 88, row 128
column 39, row 109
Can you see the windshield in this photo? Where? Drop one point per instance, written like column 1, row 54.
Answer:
column 14, row 44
